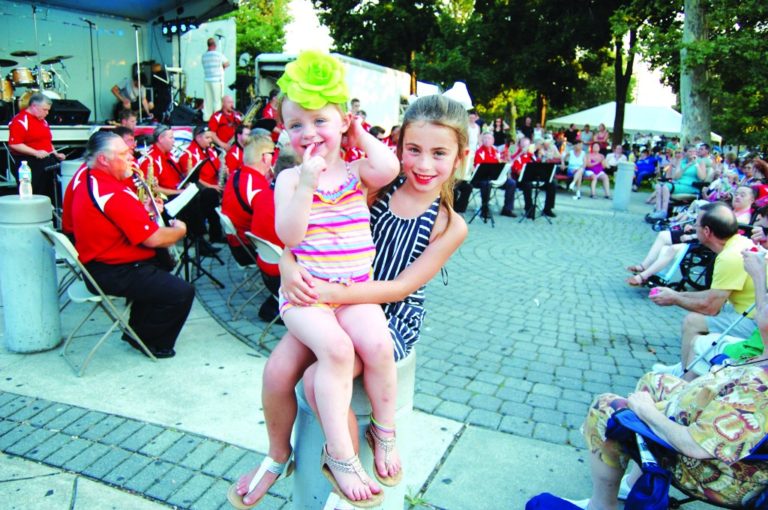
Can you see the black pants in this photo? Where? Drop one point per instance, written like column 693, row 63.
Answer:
column 549, row 195
column 462, row 191
column 201, row 208
column 161, row 301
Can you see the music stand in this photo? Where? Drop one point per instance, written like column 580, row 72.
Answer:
column 537, row 175
column 485, row 174
column 193, row 175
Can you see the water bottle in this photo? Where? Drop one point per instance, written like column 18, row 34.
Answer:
column 25, row 180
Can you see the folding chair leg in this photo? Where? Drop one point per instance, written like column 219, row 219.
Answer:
column 95, row 348
column 246, row 279
column 127, row 329
column 266, row 330
column 242, row 307
column 77, row 328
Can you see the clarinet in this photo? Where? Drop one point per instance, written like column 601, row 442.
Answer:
column 168, row 256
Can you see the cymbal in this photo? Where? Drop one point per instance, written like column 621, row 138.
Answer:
column 7, row 63
column 23, row 53
column 63, row 57
column 52, row 60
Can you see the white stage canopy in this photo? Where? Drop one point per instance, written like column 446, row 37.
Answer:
column 659, row 120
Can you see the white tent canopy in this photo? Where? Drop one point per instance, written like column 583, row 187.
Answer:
column 637, row 119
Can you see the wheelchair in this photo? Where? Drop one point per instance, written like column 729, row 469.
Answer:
column 696, row 268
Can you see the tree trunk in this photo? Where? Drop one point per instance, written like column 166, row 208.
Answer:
column 623, row 76
column 412, row 71
column 543, row 103
column 694, row 97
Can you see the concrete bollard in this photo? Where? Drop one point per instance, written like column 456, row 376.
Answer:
column 310, row 487
column 68, row 170
column 28, row 275
column 622, row 186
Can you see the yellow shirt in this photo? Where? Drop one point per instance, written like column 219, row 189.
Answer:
column 729, row 274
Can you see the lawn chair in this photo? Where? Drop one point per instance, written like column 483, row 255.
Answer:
column 229, row 229
column 78, row 292
column 624, row 426
column 269, row 253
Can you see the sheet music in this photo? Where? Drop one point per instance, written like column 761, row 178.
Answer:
column 192, row 173
column 177, row 204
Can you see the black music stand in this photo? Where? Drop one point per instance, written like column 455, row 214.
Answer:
column 485, row 174
column 538, row 175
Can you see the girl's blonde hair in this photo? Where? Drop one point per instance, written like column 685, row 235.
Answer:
column 440, row 111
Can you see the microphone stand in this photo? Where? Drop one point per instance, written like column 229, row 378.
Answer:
column 91, row 26
column 138, row 70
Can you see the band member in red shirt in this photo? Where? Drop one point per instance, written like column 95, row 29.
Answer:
column 116, row 240
column 525, row 154
column 234, row 157
column 200, row 150
column 270, row 112
column 168, row 174
column 486, row 153
column 30, row 140
column 224, row 122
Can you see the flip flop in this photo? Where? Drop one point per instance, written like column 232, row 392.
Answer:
column 387, row 444
column 633, row 280
column 268, row 464
column 351, row 465
column 636, row 268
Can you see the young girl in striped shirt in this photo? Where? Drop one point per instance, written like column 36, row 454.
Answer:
column 321, row 215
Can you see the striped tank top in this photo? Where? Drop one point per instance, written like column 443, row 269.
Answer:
column 338, row 246
column 399, row 242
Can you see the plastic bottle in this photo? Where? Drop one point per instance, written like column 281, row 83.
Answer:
column 25, row 180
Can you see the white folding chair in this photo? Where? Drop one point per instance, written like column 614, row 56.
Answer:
column 269, row 253
column 229, row 229
column 78, row 292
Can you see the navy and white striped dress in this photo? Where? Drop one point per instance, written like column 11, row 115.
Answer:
column 399, row 242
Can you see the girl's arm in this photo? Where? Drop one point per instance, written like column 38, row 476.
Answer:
column 412, row 278
column 380, row 166
column 293, row 198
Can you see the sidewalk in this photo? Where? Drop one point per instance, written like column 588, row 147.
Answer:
column 535, row 320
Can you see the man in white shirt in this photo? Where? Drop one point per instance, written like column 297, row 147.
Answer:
column 214, row 63
column 613, row 159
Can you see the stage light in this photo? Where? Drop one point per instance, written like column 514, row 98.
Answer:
column 174, row 28
column 183, row 27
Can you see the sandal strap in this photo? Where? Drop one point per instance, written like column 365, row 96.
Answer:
column 385, row 443
column 271, row 465
column 350, row 465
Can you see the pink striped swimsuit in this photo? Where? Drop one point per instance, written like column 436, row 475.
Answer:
column 338, row 246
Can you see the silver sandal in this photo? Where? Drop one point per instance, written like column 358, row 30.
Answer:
column 351, row 465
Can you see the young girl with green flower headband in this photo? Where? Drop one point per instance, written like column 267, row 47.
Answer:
column 322, row 216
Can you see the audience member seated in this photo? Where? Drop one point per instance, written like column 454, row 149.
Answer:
column 682, row 175
column 742, row 202
column 613, row 159
column 586, row 136
column 117, row 240
column 731, row 292
column 576, row 161
column 602, row 137
column 594, row 171
column 645, row 168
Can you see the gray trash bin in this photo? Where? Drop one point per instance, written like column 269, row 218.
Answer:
column 28, row 275
column 622, row 186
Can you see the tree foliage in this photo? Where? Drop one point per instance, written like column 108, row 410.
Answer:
column 260, row 27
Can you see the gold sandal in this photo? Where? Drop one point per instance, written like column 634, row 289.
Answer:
column 387, row 444
column 268, row 464
column 351, row 465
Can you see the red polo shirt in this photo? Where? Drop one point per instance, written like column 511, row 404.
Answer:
column 224, row 124
column 167, row 171
column 485, row 154
column 27, row 129
column 249, row 184
column 113, row 233
column 67, row 219
column 520, row 160
column 234, row 158
column 263, row 220
column 353, row 154
column 209, row 171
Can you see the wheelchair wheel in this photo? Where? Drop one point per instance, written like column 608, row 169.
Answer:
column 697, row 267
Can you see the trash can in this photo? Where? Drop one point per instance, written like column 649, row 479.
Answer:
column 28, row 275
column 622, row 186
column 310, row 487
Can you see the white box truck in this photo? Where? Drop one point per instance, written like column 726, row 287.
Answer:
column 383, row 92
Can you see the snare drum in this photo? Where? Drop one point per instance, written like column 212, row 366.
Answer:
column 22, row 77
column 44, row 78
column 6, row 90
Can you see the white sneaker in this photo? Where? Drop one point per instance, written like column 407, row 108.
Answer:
column 676, row 369
column 577, row 196
column 572, row 185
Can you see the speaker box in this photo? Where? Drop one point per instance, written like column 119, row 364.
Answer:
column 6, row 112
column 68, row 112
column 183, row 115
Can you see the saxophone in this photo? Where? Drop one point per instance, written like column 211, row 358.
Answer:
column 223, row 170
column 251, row 113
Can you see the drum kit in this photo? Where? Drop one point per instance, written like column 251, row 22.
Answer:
column 22, row 81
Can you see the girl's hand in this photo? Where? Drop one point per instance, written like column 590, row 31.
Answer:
column 297, row 287
column 758, row 235
column 754, row 262
column 355, row 131
column 310, row 169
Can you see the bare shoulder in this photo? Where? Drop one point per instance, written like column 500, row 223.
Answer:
column 455, row 229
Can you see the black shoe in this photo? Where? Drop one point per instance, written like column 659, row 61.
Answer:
column 531, row 215
column 158, row 353
column 551, row 214
column 485, row 214
column 508, row 214
column 218, row 240
column 207, row 249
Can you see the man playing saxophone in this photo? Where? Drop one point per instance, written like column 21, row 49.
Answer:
column 223, row 123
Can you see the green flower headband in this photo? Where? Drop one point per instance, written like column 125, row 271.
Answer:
column 314, row 80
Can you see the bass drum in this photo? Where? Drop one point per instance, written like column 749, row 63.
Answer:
column 6, row 90
column 24, row 99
